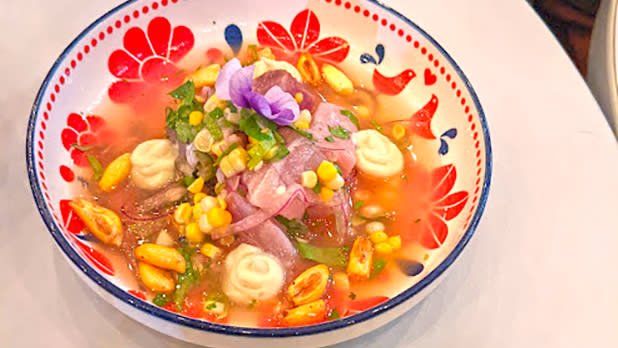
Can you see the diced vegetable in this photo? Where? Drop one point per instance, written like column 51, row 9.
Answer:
column 206, row 76
column 197, row 198
column 326, row 194
column 225, row 152
column 376, row 226
column 335, row 257
column 186, row 280
column 182, row 214
column 306, row 314
column 213, row 127
column 103, row 223
column 327, row 171
column 96, row 166
column 395, row 242
column 336, row 183
column 337, row 80
column 193, row 233
column 308, row 69
column 161, row 300
column 309, row 179
column 196, row 117
column 210, row 250
column 383, row 248
column 234, row 163
column 156, row 279
column 115, row 172
column 309, row 285
column 258, row 151
column 161, row 256
column 294, row 228
column 218, row 217
column 377, row 236
column 351, row 116
column 188, row 180
column 378, row 267
column 196, row 186
column 361, row 255
column 339, row 132
column 377, row 126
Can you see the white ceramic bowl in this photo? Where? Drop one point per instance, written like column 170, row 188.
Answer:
column 382, row 49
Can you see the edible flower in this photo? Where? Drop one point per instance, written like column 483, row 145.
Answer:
column 235, row 83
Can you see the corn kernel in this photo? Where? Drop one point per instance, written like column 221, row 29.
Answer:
column 383, row 248
column 227, row 240
column 208, row 203
column 197, row 211
column 395, row 242
column 308, row 69
column 218, row 217
column 198, row 197
column 299, row 97
column 234, row 163
column 204, row 225
column 195, row 118
column 362, row 111
column 221, row 201
column 309, row 179
column 182, row 214
column 336, row 183
column 398, row 132
column 337, row 80
column 196, row 186
column 327, row 171
column 210, row 250
column 375, row 226
column 218, row 147
column 378, row 237
column 326, row 194
column 193, row 233
column 206, row 76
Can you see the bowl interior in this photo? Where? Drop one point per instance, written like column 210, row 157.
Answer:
column 387, row 53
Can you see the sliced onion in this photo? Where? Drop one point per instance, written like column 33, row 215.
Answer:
column 130, row 216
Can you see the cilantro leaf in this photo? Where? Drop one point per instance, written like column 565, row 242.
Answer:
column 335, row 257
column 294, row 228
column 351, row 116
column 339, row 132
column 377, row 126
column 185, row 93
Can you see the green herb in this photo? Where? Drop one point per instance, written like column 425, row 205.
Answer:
column 339, row 132
column 294, row 228
column 251, row 304
column 213, row 127
column 211, row 306
column 82, row 148
column 225, row 153
column 96, row 167
column 269, row 124
column 417, row 220
column 404, row 177
column 258, row 151
column 358, row 204
column 317, row 188
column 338, row 169
column 188, row 180
column 217, row 113
column 187, row 279
column 205, row 166
column 248, row 124
column 282, row 151
column 302, row 132
column 231, row 106
column 161, row 300
column 352, row 296
column 184, row 93
column 329, row 138
column 351, row 116
column 241, row 191
column 335, row 257
column 334, row 315
column 377, row 126
column 378, row 266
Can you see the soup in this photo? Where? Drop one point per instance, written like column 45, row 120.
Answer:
column 256, row 191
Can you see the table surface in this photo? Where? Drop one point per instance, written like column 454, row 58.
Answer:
column 540, row 271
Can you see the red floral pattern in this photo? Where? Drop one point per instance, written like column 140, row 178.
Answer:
column 303, row 36
column 83, row 131
column 148, row 59
column 444, row 207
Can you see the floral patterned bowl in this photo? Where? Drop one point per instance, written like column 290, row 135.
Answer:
column 122, row 53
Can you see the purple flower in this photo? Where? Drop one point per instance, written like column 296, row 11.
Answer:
column 235, row 83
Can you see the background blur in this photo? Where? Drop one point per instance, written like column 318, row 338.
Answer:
column 571, row 22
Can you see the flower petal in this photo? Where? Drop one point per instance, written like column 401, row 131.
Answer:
column 240, row 85
column 305, row 29
column 283, row 105
column 159, row 32
column 222, row 85
column 333, row 48
column 274, row 35
column 258, row 103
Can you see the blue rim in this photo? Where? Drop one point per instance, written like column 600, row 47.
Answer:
column 243, row 331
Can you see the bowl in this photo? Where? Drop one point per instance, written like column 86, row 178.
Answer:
column 385, row 51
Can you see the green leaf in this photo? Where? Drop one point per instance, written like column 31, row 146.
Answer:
column 339, row 132
column 161, row 300
column 186, row 280
column 259, row 150
column 334, row 314
column 217, row 113
column 335, row 257
column 250, row 126
column 302, row 132
column 329, row 138
column 225, row 153
column 96, row 167
column 231, row 106
column 317, row 188
column 351, row 116
column 358, row 204
column 185, row 93
column 282, row 151
column 213, row 127
column 378, row 266
column 294, row 228
column 377, row 126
